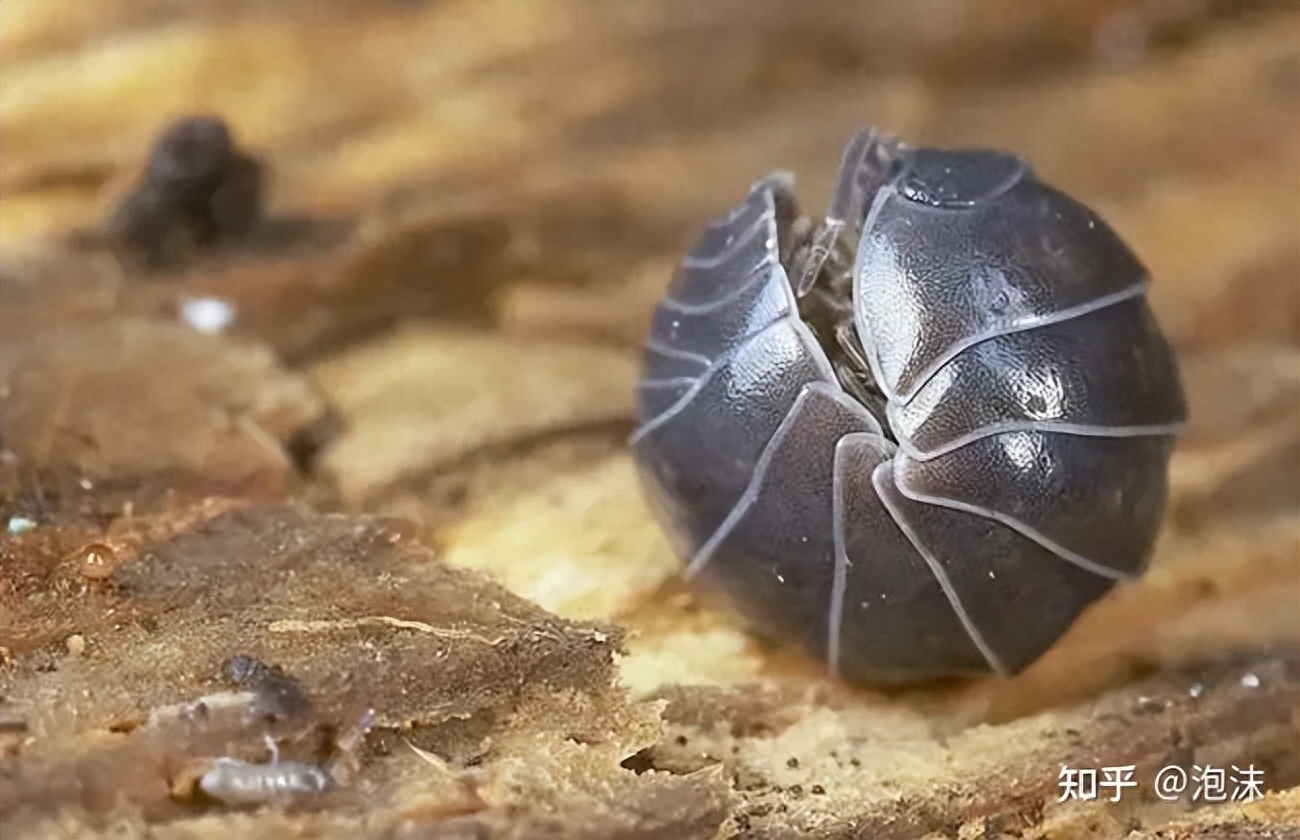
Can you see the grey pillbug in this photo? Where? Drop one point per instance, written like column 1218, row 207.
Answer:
column 920, row 438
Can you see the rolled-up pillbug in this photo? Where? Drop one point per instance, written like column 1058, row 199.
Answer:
column 922, row 436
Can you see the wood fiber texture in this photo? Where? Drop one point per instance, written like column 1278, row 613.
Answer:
column 397, row 474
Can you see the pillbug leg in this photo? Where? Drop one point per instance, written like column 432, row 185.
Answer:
column 866, row 164
column 854, row 373
column 821, row 265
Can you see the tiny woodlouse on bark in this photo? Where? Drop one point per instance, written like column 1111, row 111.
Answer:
column 234, row 782
column 920, row 437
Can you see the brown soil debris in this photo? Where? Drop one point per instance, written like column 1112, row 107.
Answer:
column 319, row 326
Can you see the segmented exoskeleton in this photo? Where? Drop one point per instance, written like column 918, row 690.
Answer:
column 921, row 437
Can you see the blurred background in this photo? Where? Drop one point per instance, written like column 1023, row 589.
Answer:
column 469, row 210
column 618, row 126
column 534, row 169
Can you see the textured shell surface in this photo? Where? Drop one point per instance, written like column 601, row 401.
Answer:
column 932, row 456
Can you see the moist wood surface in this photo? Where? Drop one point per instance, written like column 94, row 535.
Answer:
column 400, row 473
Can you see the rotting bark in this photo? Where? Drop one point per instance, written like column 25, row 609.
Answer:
column 469, row 211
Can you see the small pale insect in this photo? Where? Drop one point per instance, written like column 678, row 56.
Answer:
column 920, row 437
column 236, row 782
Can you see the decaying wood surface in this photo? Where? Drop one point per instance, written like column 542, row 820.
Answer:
column 398, row 475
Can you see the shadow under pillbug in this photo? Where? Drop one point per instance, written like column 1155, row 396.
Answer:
column 922, row 436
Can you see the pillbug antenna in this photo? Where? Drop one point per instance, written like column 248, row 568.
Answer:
column 865, row 166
